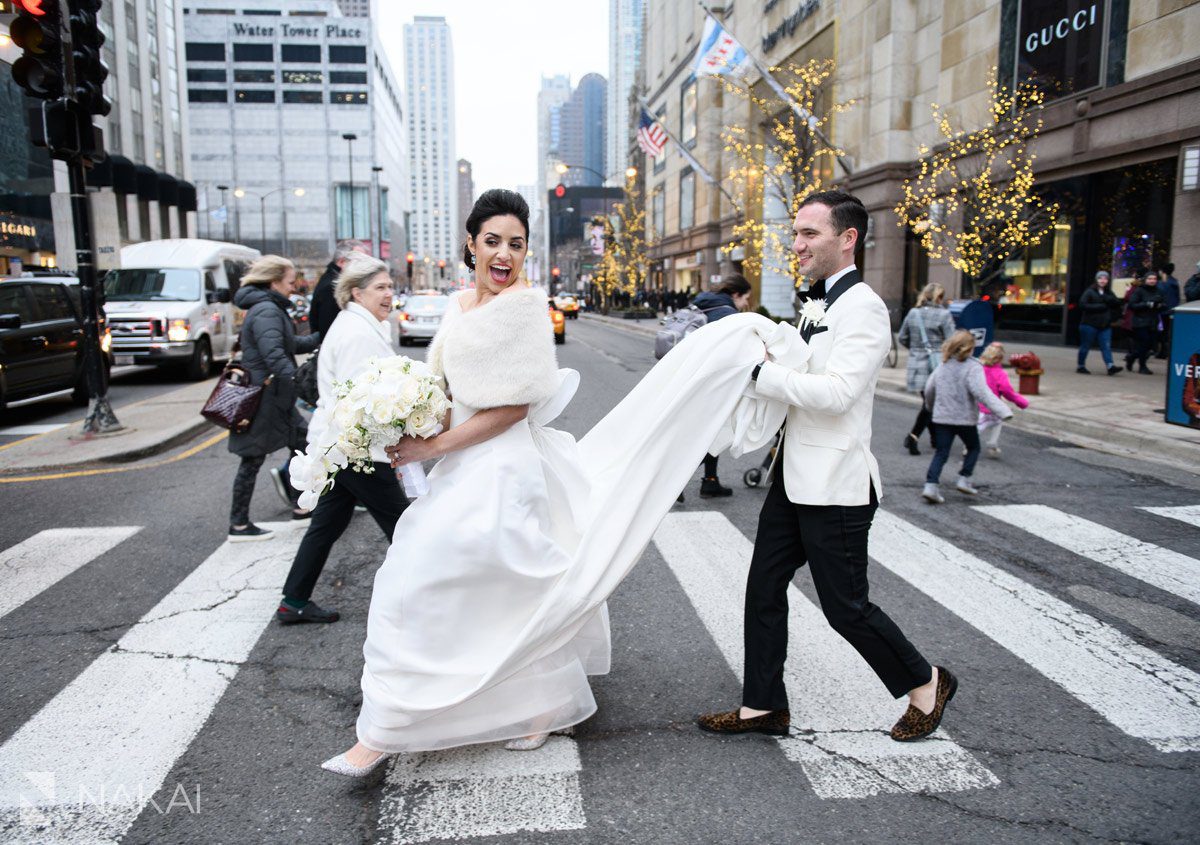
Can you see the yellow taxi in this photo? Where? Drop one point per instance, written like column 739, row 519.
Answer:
column 559, row 321
column 569, row 305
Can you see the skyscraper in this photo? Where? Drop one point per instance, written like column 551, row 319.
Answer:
column 433, row 180
column 583, row 132
column 625, row 20
column 466, row 197
column 555, row 92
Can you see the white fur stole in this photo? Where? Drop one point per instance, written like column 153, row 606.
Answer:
column 500, row 353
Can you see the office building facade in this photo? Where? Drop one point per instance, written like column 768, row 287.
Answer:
column 296, row 126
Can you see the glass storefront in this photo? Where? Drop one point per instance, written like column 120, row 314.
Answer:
column 1115, row 220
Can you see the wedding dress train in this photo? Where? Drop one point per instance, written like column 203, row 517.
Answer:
column 489, row 612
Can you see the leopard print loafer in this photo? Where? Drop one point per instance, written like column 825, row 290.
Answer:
column 775, row 723
column 914, row 724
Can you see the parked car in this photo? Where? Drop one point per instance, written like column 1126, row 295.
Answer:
column 569, row 305
column 41, row 340
column 422, row 316
column 171, row 303
column 559, row 321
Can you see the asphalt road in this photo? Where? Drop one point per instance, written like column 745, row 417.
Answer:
column 1071, row 622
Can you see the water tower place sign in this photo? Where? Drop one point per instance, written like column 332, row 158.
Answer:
column 288, row 30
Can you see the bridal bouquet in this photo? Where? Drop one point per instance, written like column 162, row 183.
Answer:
column 390, row 398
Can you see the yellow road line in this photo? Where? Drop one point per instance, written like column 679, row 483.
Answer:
column 200, row 447
column 23, row 440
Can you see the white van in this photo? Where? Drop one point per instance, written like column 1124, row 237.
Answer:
column 171, row 303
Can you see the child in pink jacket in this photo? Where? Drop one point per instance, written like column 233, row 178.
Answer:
column 989, row 424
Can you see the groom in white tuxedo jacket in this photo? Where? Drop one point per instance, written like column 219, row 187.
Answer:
column 826, row 488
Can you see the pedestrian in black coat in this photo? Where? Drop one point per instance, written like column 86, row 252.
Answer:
column 269, row 345
column 323, row 309
column 1098, row 308
column 1146, row 305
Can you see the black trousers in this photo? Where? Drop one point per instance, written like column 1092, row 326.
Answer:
column 380, row 492
column 832, row 540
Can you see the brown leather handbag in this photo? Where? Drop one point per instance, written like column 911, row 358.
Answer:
column 234, row 401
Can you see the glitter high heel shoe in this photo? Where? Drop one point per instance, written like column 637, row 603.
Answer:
column 339, row 765
column 527, row 743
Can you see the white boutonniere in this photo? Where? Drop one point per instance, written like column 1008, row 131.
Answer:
column 812, row 313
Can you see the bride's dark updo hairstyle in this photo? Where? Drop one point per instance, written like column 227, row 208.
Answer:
column 494, row 203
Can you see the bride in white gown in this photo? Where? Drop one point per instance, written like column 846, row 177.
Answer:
column 488, row 614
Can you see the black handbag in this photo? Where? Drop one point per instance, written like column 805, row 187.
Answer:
column 306, row 380
column 234, row 401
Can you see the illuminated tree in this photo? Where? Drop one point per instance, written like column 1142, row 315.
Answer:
column 782, row 157
column 972, row 201
column 623, row 264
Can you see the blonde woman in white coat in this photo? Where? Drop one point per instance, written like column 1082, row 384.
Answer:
column 360, row 332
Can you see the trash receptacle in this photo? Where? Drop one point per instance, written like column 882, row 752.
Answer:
column 977, row 317
column 1183, row 367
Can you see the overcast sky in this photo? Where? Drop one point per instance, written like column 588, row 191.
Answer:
column 501, row 51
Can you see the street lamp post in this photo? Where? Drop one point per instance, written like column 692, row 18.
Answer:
column 225, row 211
column 376, row 213
column 562, row 167
column 262, row 212
column 350, row 138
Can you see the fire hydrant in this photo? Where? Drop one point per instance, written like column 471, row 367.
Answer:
column 1029, row 370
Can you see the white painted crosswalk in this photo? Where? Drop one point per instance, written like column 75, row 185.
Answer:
column 47, row 557
column 83, row 767
column 844, row 750
column 1170, row 571
column 482, row 790
column 1136, row 689
column 1184, row 513
column 89, row 762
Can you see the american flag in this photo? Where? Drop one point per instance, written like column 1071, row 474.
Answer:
column 652, row 138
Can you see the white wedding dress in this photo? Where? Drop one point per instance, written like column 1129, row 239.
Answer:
column 489, row 612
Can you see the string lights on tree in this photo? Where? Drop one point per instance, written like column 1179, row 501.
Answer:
column 781, row 157
column 623, row 264
column 972, row 200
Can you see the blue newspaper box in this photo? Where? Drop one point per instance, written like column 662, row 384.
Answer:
column 1183, row 376
column 977, row 317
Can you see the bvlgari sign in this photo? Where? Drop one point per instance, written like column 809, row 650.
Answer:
column 1061, row 44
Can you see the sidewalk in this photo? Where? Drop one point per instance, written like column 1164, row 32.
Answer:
column 1120, row 414
column 151, row 426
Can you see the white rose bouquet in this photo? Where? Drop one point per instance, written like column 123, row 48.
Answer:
column 392, row 397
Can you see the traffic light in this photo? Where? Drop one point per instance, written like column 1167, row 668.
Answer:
column 410, row 258
column 37, row 30
column 90, row 69
column 560, row 190
column 441, row 268
column 555, row 272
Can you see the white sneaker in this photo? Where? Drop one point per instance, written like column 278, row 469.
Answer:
column 964, row 485
column 993, row 451
column 931, row 494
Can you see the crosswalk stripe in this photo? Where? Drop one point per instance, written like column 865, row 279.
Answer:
column 1184, row 513
column 1170, row 571
column 87, row 764
column 482, row 790
column 47, row 557
column 834, row 697
column 1136, row 689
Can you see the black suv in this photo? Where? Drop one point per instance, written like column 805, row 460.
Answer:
column 41, row 339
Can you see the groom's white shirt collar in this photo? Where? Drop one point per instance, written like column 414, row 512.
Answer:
column 830, row 281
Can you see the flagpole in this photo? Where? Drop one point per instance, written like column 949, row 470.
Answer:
column 708, row 177
column 800, row 111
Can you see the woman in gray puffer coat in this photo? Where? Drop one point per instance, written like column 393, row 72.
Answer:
column 923, row 331
column 269, row 346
